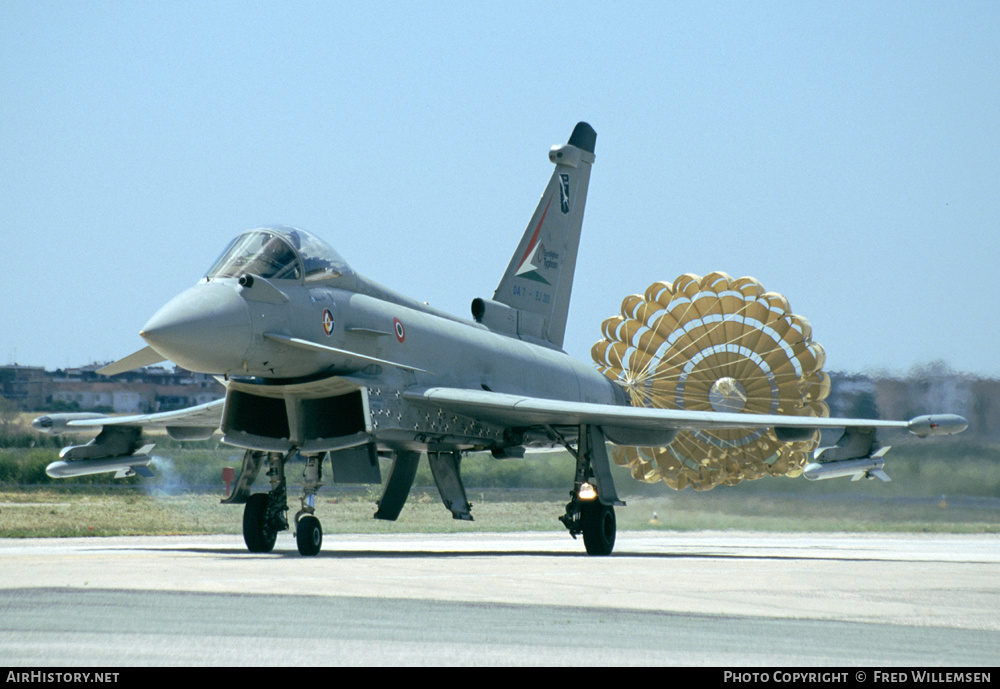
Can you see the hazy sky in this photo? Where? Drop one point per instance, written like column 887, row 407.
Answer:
column 846, row 154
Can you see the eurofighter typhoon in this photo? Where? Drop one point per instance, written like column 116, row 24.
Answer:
column 326, row 366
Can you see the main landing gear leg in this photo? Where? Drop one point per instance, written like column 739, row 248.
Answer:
column 308, row 531
column 591, row 509
column 252, row 461
column 264, row 514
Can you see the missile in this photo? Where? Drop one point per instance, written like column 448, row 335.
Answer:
column 864, row 467
column 125, row 465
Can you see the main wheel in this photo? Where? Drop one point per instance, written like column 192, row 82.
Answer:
column 257, row 534
column 599, row 527
column 308, row 535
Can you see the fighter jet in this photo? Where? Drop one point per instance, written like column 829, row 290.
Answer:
column 320, row 362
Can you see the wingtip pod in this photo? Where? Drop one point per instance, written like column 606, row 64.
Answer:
column 937, row 424
column 54, row 424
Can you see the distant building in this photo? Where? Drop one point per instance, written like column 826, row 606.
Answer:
column 926, row 390
column 142, row 391
column 852, row 395
column 135, row 398
column 170, row 397
column 23, row 385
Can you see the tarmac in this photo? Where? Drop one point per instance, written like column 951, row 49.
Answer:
column 732, row 599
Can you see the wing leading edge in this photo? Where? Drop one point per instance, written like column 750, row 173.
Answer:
column 855, row 454
column 207, row 415
column 519, row 410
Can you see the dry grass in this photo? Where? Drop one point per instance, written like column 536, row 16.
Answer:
column 61, row 513
column 517, row 499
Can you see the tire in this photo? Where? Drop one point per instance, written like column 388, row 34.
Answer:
column 599, row 527
column 308, row 535
column 256, row 534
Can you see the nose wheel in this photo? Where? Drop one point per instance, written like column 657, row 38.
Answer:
column 308, row 535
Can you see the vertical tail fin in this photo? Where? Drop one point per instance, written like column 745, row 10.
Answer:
column 539, row 279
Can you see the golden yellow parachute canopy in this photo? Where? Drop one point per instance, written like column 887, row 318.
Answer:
column 715, row 343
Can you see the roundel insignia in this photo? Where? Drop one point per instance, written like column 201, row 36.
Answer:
column 400, row 330
column 327, row 321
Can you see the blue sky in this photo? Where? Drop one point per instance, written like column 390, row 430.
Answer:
column 846, row 154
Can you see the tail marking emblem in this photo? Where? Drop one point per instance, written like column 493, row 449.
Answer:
column 533, row 259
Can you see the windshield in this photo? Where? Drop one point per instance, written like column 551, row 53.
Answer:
column 280, row 253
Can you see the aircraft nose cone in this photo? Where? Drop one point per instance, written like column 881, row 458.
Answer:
column 205, row 329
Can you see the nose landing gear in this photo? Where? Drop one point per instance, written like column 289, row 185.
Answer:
column 308, row 532
column 265, row 513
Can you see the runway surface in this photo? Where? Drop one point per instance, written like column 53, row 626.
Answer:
column 725, row 599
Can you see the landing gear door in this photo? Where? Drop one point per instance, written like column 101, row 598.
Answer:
column 356, row 465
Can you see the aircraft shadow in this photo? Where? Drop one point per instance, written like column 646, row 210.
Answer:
column 389, row 554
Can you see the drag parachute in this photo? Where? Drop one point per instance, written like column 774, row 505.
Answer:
column 715, row 344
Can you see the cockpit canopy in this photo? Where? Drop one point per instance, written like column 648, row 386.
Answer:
column 280, row 253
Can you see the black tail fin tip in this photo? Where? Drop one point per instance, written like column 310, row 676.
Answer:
column 584, row 137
